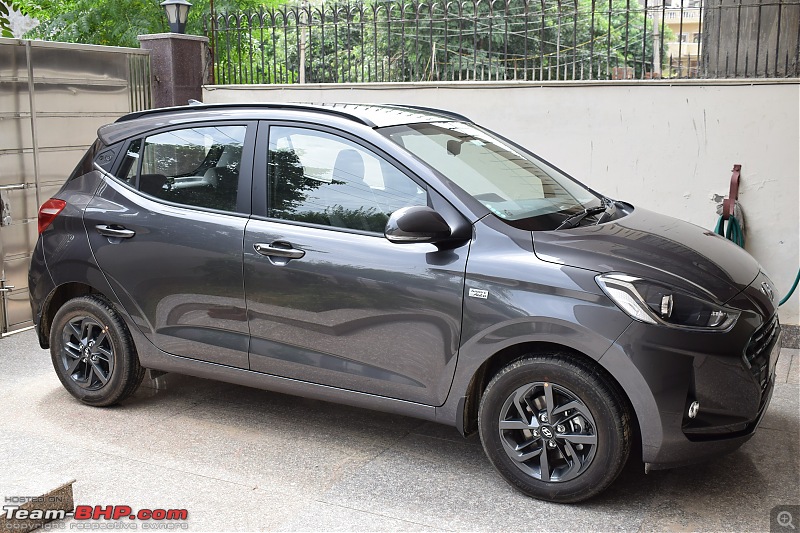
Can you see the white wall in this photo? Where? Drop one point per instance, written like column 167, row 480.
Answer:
column 664, row 145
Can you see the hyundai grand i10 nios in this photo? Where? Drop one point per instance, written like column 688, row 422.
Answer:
column 407, row 260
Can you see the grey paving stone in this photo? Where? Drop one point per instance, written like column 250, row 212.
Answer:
column 451, row 485
column 212, row 504
column 244, row 459
column 319, row 516
column 440, row 431
column 783, row 413
column 732, row 493
column 794, row 370
column 273, row 445
column 21, row 359
column 784, row 363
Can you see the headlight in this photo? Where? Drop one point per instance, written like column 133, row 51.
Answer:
column 655, row 303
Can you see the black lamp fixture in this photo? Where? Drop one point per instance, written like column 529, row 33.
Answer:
column 177, row 14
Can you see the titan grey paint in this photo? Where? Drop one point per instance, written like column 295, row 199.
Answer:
column 397, row 332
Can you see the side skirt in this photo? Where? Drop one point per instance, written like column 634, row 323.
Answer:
column 155, row 359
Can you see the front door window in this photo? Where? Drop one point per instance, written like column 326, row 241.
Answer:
column 324, row 179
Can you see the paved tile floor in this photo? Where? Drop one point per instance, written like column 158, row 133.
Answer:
column 244, row 459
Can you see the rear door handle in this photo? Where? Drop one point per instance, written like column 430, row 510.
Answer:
column 271, row 250
column 115, row 231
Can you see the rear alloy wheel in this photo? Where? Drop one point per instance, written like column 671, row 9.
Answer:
column 93, row 353
column 554, row 427
column 87, row 353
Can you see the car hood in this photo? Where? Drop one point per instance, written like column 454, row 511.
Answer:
column 657, row 247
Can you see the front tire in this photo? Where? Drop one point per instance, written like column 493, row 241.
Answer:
column 555, row 427
column 93, row 353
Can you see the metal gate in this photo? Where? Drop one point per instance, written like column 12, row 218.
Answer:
column 53, row 97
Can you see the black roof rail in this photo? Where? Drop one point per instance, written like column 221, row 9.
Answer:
column 434, row 110
column 201, row 107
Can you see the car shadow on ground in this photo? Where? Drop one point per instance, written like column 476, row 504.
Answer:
column 187, row 423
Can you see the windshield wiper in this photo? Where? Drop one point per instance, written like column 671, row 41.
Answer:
column 575, row 219
column 611, row 207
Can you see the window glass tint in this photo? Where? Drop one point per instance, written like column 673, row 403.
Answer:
column 324, row 179
column 130, row 165
column 197, row 166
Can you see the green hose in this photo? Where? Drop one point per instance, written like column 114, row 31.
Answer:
column 791, row 291
column 733, row 233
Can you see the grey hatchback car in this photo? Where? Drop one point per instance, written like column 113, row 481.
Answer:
column 407, row 260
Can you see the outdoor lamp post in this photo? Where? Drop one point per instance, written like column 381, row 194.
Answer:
column 177, row 14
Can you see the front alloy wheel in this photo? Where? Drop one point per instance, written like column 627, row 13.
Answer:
column 548, row 432
column 555, row 426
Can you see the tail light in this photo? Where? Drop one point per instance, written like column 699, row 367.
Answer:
column 49, row 211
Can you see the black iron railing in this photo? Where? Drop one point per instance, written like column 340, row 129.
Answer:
column 390, row 41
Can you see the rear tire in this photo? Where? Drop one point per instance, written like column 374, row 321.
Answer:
column 555, row 427
column 93, row 353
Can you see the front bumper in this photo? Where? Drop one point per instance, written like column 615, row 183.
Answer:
column 730, row 374
column 677, row 451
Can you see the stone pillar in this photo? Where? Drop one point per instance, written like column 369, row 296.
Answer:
column 178, row 67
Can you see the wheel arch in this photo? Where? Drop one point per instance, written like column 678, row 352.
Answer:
column 468, row 417
column 55, row 300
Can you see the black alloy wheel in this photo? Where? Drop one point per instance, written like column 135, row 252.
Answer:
column 555, row 426
column 87, row 353
column 93, row 353
column 548, row 432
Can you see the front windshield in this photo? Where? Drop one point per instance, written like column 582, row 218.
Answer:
column 514, row 185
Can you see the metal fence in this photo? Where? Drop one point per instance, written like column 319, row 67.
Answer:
column 389, row 41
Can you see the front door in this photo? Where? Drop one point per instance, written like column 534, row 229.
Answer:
column 329, row 299
column 172, row 250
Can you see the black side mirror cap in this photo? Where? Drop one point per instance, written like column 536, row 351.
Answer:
column 418, row 223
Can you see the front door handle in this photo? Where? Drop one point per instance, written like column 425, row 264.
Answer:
column 278, row 250
column 115, row 231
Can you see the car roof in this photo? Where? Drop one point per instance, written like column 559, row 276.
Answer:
column 370, row 115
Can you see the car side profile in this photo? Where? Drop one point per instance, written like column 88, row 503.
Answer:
column 407, row 260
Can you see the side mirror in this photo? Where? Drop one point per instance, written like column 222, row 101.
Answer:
column 416, row 224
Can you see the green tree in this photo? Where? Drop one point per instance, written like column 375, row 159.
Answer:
column 394, row 40
column 5, row 10
column 114, row 22
column 563, row 39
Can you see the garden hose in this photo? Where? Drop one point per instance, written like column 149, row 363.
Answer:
column 735, row 232
column 735, row 229
column 791, row 291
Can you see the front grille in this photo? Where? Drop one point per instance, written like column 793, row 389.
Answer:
column 756, row 355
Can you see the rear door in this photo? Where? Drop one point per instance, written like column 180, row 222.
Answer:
column 329, row 299
column 168, row 236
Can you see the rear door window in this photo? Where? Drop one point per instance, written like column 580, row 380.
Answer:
column 193, row 166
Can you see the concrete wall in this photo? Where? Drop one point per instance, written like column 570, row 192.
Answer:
column 667, row 146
